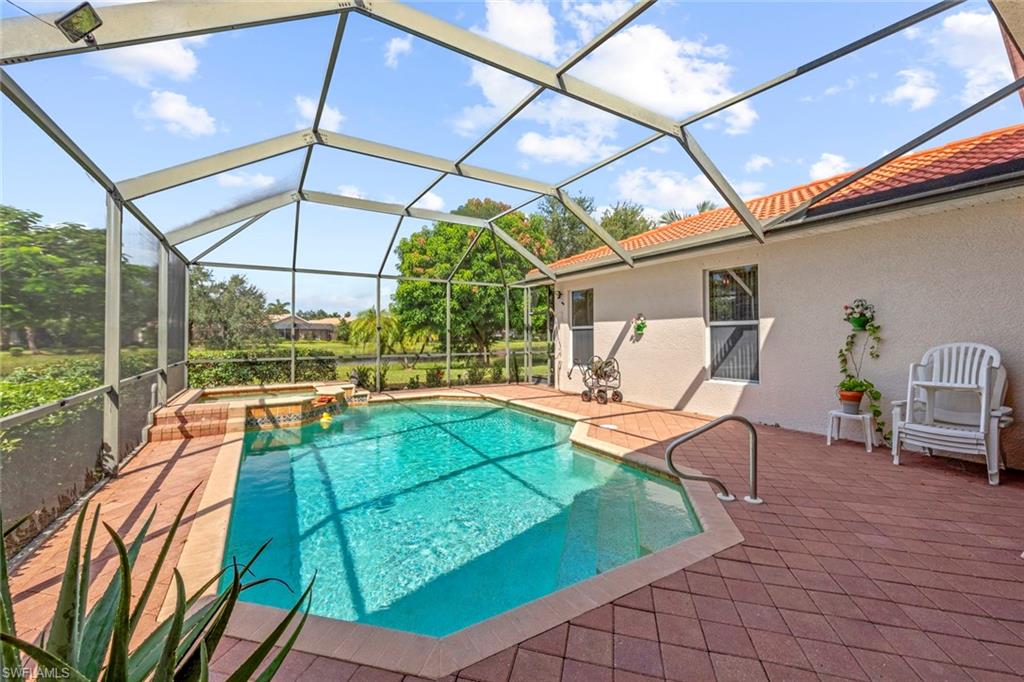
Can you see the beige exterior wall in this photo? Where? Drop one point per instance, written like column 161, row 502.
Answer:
column 952, row 272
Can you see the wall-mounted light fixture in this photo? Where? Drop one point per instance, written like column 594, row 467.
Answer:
column 79, row 23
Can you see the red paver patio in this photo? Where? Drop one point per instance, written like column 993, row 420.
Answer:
column 852, row 569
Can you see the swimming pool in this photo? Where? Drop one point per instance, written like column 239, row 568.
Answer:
column 431, row 516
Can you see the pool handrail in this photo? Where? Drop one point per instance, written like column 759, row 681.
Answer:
column 723, row 492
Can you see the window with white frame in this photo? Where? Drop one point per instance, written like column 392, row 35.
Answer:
column 733, row 324
column 581, row 321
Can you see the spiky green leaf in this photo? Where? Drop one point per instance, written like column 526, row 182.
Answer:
column 117, row 664
column 250, row 665
column 50, row 667
column 64, row 626
column 99, row 624
column 154, row 575
column 9, row 657
column 165, row 670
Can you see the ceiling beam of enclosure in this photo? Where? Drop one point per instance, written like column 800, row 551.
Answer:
column 27, row 39
column 221, row 162
column 849, row 48
column 10, row 88
column 518, row 64
column 598, row 40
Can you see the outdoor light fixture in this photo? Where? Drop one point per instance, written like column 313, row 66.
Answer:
column 79, row 23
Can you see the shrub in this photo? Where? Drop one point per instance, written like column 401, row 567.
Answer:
column 247, row 371
column 384, row 367
column 16, row 351
column 434, row 377
column 414, row 382
column 498, row 371
column 475, row 372
column 83, row 644
column 365, row 376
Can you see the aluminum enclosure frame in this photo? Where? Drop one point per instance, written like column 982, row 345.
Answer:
column 26, row 39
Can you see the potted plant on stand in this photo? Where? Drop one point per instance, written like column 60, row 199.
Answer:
column 851, row 393
column 853, row 387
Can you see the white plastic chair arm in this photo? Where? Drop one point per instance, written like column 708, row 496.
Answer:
column 899, row 403
column 1004, row 411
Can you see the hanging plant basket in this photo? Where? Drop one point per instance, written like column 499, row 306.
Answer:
column 860, row 322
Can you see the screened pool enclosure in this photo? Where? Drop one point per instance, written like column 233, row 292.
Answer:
column 132, row 290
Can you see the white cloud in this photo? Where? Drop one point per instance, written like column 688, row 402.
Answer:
column 395, row 48
column 829, row 165
column 576, row 133
column 331, row 119
column 524, row 25
column 430, row 202
column 645, row 64
column 832, row 90
column 500, row 90
column 660, row 190
column 177, row 114
column 917, row 89
column 244, row 179
column 747, row 188
column 590, row 18
column 351, row 191
column 757, row 162
column 140, row 64
column 912, row 33
column 970, row 42
column 569, row 149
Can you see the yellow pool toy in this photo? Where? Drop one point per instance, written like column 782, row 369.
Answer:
column 325, row 420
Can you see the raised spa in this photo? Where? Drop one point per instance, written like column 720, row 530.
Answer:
column 431, row 516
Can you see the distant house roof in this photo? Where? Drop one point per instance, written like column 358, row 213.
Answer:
column 285, row 322
column 332, row 321
column 988, row 155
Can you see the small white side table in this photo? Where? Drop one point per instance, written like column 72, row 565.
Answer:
column 835, row 423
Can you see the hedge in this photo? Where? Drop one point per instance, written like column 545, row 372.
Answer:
column 246, row 371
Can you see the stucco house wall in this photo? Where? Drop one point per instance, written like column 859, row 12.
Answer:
column 952, row 272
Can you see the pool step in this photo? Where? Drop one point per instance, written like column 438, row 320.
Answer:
column 189, row 421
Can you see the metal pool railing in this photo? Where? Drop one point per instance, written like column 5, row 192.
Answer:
column 723, row 492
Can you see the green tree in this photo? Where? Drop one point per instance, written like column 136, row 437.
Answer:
column 278, row 307
column 567, row 233
column 478, row 312
column 706, row 205
column 54, row 279
column 231, row 313
column 623, row 220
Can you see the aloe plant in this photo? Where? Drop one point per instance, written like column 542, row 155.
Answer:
column 83, row 644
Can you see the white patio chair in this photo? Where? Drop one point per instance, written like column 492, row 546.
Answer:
column 954, row 404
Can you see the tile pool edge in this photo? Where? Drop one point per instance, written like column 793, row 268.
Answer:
column 434, row 657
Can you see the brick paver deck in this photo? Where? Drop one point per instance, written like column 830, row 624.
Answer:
column 853, row 569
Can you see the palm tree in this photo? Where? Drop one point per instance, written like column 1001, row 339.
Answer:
column 670, row 216
column 706, row 205
column 278, row 307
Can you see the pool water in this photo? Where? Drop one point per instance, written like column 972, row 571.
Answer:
column 432, row 516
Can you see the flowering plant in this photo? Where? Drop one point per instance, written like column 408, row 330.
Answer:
column 859, row 309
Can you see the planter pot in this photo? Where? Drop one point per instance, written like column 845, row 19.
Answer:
column 860, row 322
column 850, row 401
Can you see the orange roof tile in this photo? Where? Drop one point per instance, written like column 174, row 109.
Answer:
column 956, row 158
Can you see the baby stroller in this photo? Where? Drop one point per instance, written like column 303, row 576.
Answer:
column 600, row 376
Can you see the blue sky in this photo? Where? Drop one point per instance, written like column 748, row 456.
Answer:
column 142, row 108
